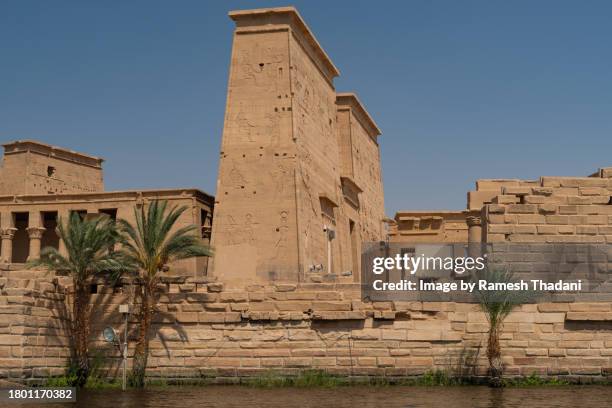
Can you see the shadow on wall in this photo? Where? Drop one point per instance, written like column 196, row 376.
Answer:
column 106, row 300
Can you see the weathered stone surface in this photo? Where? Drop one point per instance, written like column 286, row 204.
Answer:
column 589, row 316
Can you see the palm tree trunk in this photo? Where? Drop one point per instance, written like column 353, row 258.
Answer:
column 141, row 353
column 80, row 331
column 494, row 356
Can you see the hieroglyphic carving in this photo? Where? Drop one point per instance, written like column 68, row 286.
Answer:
column 246, row 127
column 234, row 233
column 272, row 128
column 280, row 174
column 282, row 230
column 253, row 126
column 260, row 65
column 236, row 177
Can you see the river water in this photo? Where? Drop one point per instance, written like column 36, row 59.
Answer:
column 349, row 397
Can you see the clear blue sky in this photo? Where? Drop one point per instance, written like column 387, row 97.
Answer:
column 461, row 89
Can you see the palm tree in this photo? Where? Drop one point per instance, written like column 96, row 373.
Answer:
column 89, row 245
column 151, row 245
column 497, row 305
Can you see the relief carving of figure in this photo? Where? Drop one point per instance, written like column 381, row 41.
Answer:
column 279, row 175
column 283, row 230
column 272, row 128
column 237, row 179
column 246, row 127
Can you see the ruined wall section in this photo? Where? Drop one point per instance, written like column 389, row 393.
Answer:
column 487, row 189
column 429, row 227
column 556, row 210
column 254, row 229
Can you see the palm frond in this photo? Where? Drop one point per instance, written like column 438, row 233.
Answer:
column 155, row 241
column 90, row 249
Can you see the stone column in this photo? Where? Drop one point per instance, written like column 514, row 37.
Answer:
column 474, row 223
column 35, row 234
column 7, row 244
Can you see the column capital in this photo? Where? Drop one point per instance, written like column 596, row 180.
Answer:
column 8, row 233
column 473, row 220
column 35, row 232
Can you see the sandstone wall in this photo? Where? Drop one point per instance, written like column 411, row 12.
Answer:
column 30, row 167
column 283, row 200
column 33, row 326
column 553, row 210
column 317, row 173
column 255, row 210
column 204, row 331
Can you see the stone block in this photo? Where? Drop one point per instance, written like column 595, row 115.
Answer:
column 525, row 229
column 211, row 317
column 496, row 209
column 579, row 200
column 216, row 307
column 187, row 317
column 285, row 287
column 239, row 307
column 521, row 209
column 256, row 296
column 589, row 307
column 393, row 334
column 202, row 297
column 294, row 306
column 547, row 229
column 233, row 297
column 583, row 182
column 531, row 219
column 552, row 317
column 414, row 361
column 536, row 199
column 536, row 352
column 262, row 306
column 566, row 229
column 215, row 287
column 593, row 191
column 516, row 190
column 553, row 307
column 505, row 199
column 331, row 306
column 300, row 295
column 329, row 295
column 557, row 219
column 596, row 220
column 501, row 229
column 589, row 316
column 338, row 315
column 366, row 334
column 548, row 208
column 586, row 229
